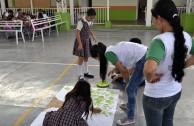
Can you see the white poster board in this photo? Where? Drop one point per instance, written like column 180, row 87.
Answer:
column 106, row 99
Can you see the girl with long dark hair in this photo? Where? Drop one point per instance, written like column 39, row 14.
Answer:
column 77, row 102
column 123, row 56
column 167, row 56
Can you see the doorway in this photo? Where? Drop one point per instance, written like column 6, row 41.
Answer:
column 141, row 10
column 6, row 4
column 90, row 3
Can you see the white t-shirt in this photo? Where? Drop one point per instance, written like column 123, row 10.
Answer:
column 128, row 53
column 16, row 15
column 167, row 86
column 45, row 16
column 80, row 24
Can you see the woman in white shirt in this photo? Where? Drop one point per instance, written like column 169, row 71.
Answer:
column 166, row 56
column 123, row 56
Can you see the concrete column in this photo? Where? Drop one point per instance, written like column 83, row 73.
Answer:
column 32, row 8
column 3, row 8
column 108, row 5
column 72, row 11
column 148, row 12
column 64, row 5
column 108, row 23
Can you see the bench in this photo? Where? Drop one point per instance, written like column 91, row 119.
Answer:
column 12, row 26
column 46, row 23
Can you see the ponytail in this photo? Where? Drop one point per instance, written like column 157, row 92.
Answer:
column 98, row 50
column 103, row 61
column 179, row 50
column 167, row 10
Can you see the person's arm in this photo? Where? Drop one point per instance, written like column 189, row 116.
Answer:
column 93, row 36
column 112, row 71
column 124, row 71
column 190, row 60
column 154, row 55
column 111, row 57
column 131, row 70
column 79, row 39
column 92, row 33
column 117, row 76
column 150, row 67
column 78, row 29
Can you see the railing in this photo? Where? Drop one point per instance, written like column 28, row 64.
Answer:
column 190, row 6
column 181, row 10
column 101, row 13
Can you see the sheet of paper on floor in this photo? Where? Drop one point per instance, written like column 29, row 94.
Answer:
column 103, row 98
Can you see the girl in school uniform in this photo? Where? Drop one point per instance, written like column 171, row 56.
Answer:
column 78, row 103
column 82, row 43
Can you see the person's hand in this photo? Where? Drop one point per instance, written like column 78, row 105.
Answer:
column 94, row 39
column 80, row 47
column 97, row 110
column 116, row 77
column 111, row 72
column 156, row 78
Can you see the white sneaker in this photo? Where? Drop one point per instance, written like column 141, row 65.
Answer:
column 124, row 106
column 80, row 77
column 125, row 121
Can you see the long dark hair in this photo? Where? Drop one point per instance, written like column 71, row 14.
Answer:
column 98, row 50
column 167, row 10
column 81, row 89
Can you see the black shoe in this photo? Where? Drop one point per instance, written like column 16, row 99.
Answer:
column 88, row 75
column 80, row 78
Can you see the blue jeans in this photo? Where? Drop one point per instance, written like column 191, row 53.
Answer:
column 131, row 89
column 160, row 111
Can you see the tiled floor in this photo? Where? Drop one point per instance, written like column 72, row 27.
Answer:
column 34, row 72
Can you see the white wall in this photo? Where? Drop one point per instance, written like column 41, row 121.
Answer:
column 76, row 3
column 10, row 3
column 53, row 2
column 83, row 3
column 114, row 2
column 130, row 2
